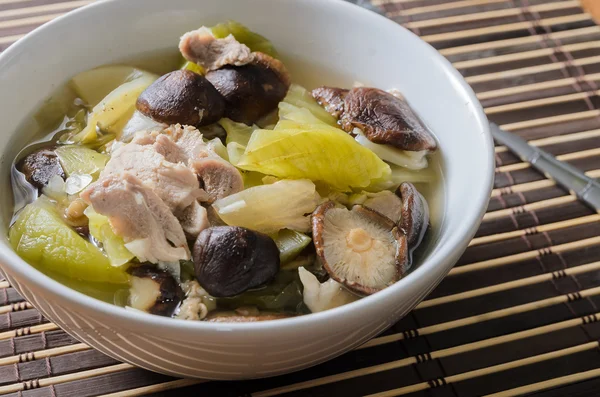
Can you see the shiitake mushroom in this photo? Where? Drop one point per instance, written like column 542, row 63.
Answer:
column 229, row 260
column 385, row 119
column 359, row 248
column 40, row 166
column 382, row 117
column 251, row 91
column 154, row 291
column 415, row 214
column 183, row 97
column 331, row 98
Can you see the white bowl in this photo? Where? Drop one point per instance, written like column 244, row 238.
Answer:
column 331, row 35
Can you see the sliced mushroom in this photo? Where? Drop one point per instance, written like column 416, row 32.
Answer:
column 319, row 296
column 331, row 98
column 236, row 317
column 193, row 219
column 154, row 291
column 182, row 97
column 253, row 90
column 385, row 119
column 230, row 260
column 218, row 177
column 40, row 166
column 359, row 248
column 386, row 203
column 415, row 214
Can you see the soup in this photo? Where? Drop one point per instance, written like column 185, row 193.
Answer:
column 209, row 185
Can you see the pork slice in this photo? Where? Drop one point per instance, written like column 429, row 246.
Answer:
column 174, row 183
column 201, row 47
column 189, row 140
column 219, row 178
column 150, row 230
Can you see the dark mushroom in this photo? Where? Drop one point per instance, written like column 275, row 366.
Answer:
column 360, row 248
column 230, row 260
column 236, row 317
column 385, row 119
column 251, row 91
column 154, row 291
column 415, row 214
column 382, row 117
column 182, row 97
column 331, row 98
column 40, row 166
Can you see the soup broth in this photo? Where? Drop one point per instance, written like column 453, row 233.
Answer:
column 63, row 117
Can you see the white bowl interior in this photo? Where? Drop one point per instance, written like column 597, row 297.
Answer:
column 332, row 36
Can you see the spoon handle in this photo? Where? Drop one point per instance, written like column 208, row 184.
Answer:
column 585, row 188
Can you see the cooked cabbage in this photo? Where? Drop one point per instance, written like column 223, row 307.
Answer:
column 93, row 85
column 270, row 208
column 115, row 110
column 299, row 97
column 42, row 238
column 305, row 147
column 113, row 245
column 77, row 159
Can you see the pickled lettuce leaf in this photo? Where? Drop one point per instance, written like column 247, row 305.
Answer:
column 115, row 110
column 239, row 133
column 299, row 97
column 76, row 159
column 252, row 178
column 194, row 67
column 217, row 146
column 290, row 243
column 254, row 41
column 235, row 151
column 283, row 293
column 93, row 85
column 113, row 245
column 312, row 150
column 41, row 237
column 270, row 208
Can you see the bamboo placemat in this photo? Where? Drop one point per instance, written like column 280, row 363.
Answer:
column 517, row 315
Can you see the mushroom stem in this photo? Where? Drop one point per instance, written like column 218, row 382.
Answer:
column 359, row 240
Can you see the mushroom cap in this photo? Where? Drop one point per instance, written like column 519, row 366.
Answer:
column 229, row 260
column 40, row 166
column 253, row 90
column 154, row 291
column 331, row 98
column 385, row 119
column 386, row 203
column 415, row 214
column 359, row 248
column 182, row 97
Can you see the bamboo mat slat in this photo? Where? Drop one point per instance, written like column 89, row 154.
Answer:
column 519, row 313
